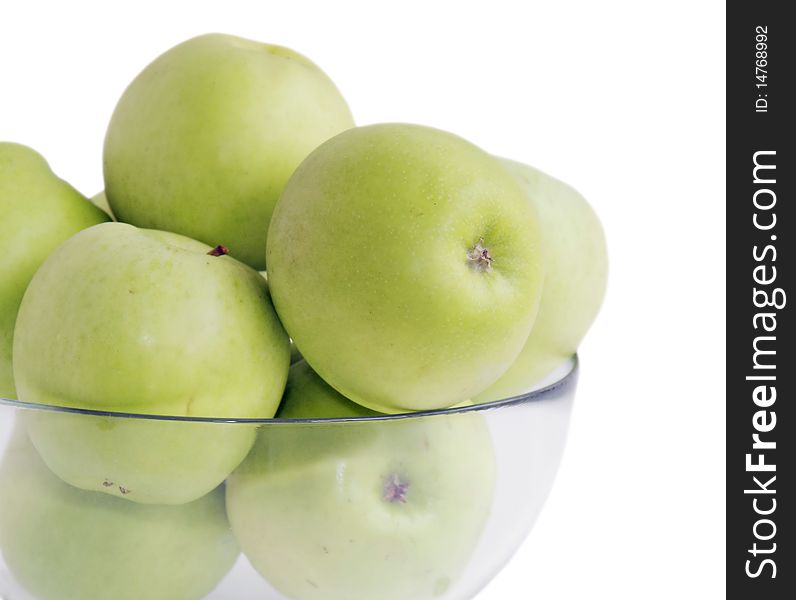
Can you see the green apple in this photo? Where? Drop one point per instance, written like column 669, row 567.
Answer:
column 405, row 263
column 62, row 543
column 38, row 211
column 360, row 510
column 145, row 460
column 100, row 200
column 205, row 138
column 309, row 396
column 295, row 353
column 161, row 325
column 576, row 273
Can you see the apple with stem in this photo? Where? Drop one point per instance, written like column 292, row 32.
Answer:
column 406, row 265
column 576, row 274
column 38, row 211
column 161, row 325
column 356, row 510
column 204, row 139
column 62, row 543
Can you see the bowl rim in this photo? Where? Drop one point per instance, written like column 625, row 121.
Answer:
column 546, row 392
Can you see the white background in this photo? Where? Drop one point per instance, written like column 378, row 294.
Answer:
column 625, row 100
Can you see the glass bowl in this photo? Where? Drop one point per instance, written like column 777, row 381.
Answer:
column 431, row 505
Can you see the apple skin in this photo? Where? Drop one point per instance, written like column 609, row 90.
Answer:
column 157, row 326
column 361, row 510
column 100, row 200
column 576, row 275
column 307, row 394
column 205, row 138
column 62, row 543
column 38, row 211
column 295, row 353
column 372, row 266
column 147, row 461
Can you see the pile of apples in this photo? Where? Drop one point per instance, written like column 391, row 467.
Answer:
column 246, row 223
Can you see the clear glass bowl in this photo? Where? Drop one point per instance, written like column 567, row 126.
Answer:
column 407, row 507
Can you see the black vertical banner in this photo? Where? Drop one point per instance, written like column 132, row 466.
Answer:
column 761, row 370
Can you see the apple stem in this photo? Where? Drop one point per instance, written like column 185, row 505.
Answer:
column 396, row 489
column 480, row 258
column 219, row 250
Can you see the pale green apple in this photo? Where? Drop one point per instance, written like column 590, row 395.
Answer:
column 100, row 200
column 147, row 322
column 62, row 543
column 145, row 460
column 38, row 211
column 576, row 273
column 406, row 265
column 362, row 510
column 205, row 138
column 309, row 396
column 295, row 353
